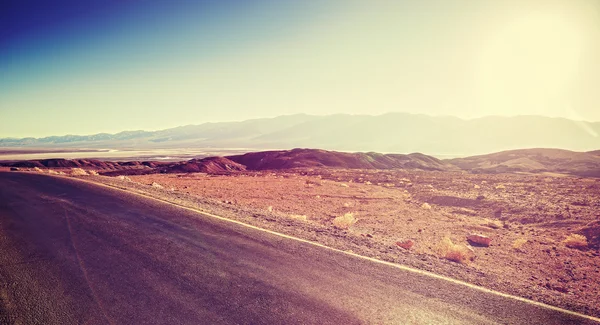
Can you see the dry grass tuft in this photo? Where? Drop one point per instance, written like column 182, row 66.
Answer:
column 54, row 172
column 455, row 252
column 78, row 172
column 37, row 169
column 93, row 172
column 344, row 222
column 311, row 183
column 576, row 241
column 518, row 243
column 426, row 206
column 299, row 217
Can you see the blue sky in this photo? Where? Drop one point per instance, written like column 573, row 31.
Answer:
column 83, row 67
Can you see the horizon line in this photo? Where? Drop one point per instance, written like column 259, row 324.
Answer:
column 298, row 114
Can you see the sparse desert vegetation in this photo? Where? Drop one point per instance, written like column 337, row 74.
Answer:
column 459, row 253
column 518, row 243
column 576, row 241
column 345, row 221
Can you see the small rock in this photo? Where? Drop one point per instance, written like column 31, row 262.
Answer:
column 406, row 244
column 479, row 240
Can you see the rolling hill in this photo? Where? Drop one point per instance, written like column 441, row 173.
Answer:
column 301, row 158
column 559, row 161
column 533, row 161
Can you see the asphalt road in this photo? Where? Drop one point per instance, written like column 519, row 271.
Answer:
column 77, row 253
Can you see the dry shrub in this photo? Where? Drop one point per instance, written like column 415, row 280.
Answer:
column 344, row 222
column 37, row 169
column 78, row 172
column 426, row 206
column 124, row 178
column 576, row 241
column 455, row 252
column 518, row 243
column 344, row 185
column 156, row 185
column 93, row 172
column 500, row 187
column 54, row 172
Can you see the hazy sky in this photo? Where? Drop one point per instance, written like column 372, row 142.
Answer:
column 84, row 67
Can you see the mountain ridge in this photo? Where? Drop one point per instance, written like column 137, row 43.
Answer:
column 390, row 133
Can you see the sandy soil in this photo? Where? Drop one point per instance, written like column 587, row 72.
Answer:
column 527, row 218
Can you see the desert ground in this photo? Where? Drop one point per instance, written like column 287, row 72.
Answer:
column 531, row 235
column 421, row 219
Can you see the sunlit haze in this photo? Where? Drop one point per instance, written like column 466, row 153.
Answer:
column 84, row 68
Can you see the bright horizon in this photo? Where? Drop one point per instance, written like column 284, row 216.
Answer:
column 269, row 117
column 112, row 66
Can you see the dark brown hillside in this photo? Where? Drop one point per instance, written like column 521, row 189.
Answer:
column 211, row 165
column 64, row 163
column 297, row 158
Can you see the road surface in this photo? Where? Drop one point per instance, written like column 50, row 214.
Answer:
column 77, row 253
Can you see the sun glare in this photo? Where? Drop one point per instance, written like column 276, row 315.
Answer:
column 532, row 61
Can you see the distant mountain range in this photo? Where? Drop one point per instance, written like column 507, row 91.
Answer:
column 391, row 133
